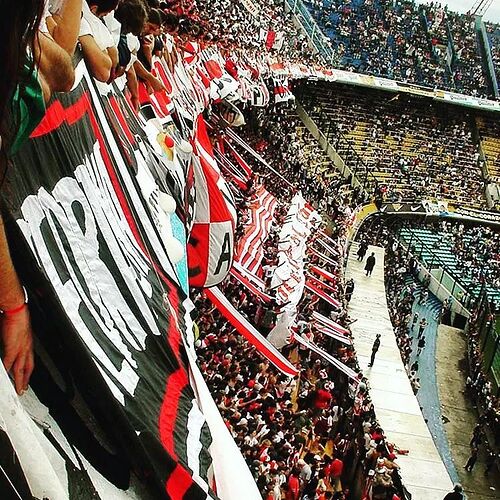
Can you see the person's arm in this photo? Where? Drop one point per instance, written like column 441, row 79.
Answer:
column 98, row 61
column 65, row 25
column 54, row 65
column 133, row 88
column 113, row 55
column 15, row 327
column 141, row 72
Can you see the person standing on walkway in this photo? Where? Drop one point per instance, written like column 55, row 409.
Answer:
column 375, row 346
column 363, row 247
column 474, row 450
column 421, row 327
column 477, row 435
column 415, row 319
column 420, row 345
column 370, row 264
column 456, row 494
column 349, row 288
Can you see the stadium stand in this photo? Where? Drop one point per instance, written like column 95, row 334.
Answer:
column 493, row 31
column 469, row 72
column 267, row 26
column 418, row 148
column 423, row 44
column 470, row 254
column 489, row 134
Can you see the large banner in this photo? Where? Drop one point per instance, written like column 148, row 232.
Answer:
column 251, row 246
column 93, row 206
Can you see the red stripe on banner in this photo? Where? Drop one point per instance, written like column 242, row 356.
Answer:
column 250, row 249
column 320, row 293
column 168, row 411
column 249, row 332
column 218, row 210
column 330, row 323
column 321, row 284
column 178, row 483
column 253, row 238
column 198, row 254
column 324, row 274
column 56, row 115
column 248, row 284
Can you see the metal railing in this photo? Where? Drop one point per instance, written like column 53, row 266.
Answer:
column 317, row 38
column 446, row 278
column 339, row 142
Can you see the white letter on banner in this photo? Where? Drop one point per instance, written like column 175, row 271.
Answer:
column 35, row 211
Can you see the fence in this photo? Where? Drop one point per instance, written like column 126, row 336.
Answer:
column 443, row 283
column 313, row 32
column 332, row 140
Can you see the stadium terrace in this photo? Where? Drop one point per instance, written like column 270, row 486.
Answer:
column 249, row 249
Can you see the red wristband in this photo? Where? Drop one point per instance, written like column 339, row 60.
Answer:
column 14, row 310
column 18, row 309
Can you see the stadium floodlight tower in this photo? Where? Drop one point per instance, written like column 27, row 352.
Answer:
column 480, row 7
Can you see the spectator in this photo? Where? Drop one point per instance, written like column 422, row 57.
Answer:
column 456, row 494
column 471, row 461
column 64, row 25
column 375, row 348
column 370, row 264
column 98, row 46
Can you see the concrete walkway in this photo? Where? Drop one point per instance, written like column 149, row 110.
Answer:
column 397, row 409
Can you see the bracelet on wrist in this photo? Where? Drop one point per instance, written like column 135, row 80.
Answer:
column 15, row 310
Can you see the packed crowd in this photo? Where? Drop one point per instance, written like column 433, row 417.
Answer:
column 480, row 391
column 379, row 38
column 417, row 151
column 477, row 250
column 489, row 134
column 493, row 31
column 468, row 70
column 256, row 27
column 405, row 41
column 308, row 437
column 284, row 138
